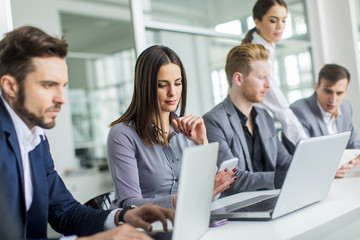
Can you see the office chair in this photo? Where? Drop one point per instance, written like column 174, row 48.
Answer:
column 103, row 201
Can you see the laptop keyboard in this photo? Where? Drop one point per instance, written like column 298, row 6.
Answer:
column 247, row 202
column 261, row 206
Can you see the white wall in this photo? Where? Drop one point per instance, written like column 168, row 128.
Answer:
column 6, row 17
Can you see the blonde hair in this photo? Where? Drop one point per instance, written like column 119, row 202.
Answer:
column 239, row 59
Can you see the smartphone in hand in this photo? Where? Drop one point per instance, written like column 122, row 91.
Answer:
column 348, row 155
column 229, row 164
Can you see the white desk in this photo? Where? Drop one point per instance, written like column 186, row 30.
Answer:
column 335, row 217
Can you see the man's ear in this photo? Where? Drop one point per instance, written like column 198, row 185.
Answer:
column 316, row 86
column 238, row 78
column 9, row 85
column 257, row 23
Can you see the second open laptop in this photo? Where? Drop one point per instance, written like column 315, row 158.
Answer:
column 195, row 191
column 308, row 180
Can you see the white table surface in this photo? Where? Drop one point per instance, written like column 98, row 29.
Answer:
column 335, row 217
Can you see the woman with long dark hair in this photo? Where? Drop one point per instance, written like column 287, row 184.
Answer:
column 145, row 144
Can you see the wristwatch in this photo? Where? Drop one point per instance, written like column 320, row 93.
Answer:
column 123, row 211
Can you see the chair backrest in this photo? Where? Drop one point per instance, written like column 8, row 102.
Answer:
column 103, row 201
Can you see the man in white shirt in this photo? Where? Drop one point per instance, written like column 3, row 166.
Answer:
column 326, row 111
column 33, row 76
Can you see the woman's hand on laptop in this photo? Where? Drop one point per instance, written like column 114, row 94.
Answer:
column 223, row 180
column 143, row 216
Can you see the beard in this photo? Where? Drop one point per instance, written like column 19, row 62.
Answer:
column 253, row 97
column 30, row 117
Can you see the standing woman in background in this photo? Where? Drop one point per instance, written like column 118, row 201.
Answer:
column 270, row 18
column 145, row 145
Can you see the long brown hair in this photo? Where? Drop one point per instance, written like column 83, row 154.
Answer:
column 144, row 108
column 259, row 10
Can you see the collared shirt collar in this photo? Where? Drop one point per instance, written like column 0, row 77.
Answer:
column 173, row 115
column 28, row 140
column 172, row 131
column 329, row 119
column 25, row 135
column 325, row 114
column 260, row 40
column 242, row 116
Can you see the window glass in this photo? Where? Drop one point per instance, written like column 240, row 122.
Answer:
column 295, row 71
column 199, row 13
column 100, row 63
column 296, row 23
column 204, row 60
column 205, row 56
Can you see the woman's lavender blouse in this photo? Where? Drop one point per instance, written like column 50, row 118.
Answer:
column 144, row 174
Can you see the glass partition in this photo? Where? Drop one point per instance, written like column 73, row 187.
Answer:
column 294, row 56
column 204, row 60
column 200, row 13
column 100, row 61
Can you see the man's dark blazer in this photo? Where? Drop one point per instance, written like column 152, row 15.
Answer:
column 52, row 202
column 309, row 114
column 223, row 125
column 9, row 226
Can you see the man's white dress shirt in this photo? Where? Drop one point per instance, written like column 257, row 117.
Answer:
column 329, row 119
column 28, row 140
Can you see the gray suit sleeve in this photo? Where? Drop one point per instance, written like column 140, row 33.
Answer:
column 215, row 133
column 247, row 180
column 302, row 112
column 354, row 141
column 251, row 181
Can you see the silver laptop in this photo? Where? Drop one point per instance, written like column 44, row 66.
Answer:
column 196, row 185
column 307, row 181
